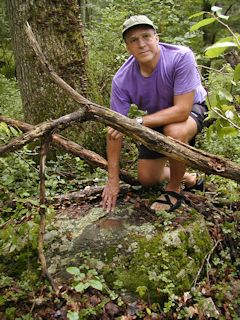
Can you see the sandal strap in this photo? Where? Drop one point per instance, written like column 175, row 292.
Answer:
column 176, row 195
column 172, row 206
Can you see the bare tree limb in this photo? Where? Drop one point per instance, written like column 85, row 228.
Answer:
column 41, row 129
column 90, row 157
column 194, row 158
column 155, row 141
column 83, row 195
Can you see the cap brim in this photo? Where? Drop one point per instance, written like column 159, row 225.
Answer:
column 137, row 24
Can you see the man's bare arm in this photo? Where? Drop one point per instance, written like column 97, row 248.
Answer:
column 179, row 112
column 111, row 190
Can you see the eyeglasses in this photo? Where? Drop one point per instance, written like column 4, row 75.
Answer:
column 145, row 37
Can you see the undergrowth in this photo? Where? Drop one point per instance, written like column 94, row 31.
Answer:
column 25, row 295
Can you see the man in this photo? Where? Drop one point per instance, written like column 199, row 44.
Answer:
column 163, row 80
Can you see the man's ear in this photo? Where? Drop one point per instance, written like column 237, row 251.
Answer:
column 126, row 46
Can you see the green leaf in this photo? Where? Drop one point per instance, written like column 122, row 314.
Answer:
column 197, row 14
column 142, row 290
column 149, row 312
column 96, row 284
column 222, row 16
column 218, row 48
column 80, row 287
column 73, row 270
column 229, row 131
column 202, row 23
column 236, row 76
column 72, row 315
column 223, row 44
column 224, row 94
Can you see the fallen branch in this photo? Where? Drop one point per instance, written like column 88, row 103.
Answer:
column 88, row 192
column 155, row 141
column 43, row 129
column 90, row 157
column 210, row 164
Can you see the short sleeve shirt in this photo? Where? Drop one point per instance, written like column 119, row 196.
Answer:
column 176, row 73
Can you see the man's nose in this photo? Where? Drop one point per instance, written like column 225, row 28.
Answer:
column 141, row 42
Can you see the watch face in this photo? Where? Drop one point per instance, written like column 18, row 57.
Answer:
column 139, row 120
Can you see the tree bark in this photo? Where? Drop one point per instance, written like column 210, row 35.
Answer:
column 59, row 31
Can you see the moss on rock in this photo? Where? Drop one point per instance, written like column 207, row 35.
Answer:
column 165, row 263
column 136, row 250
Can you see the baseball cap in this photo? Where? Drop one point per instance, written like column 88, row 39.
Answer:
column 136, row 20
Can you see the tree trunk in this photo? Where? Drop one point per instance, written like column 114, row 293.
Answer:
column 59, row 31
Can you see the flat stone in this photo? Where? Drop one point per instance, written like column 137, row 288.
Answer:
column 137, row 248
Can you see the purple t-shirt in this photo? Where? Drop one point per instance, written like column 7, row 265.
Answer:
column 176, row 73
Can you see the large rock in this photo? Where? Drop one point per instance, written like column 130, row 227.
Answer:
column 161, row 255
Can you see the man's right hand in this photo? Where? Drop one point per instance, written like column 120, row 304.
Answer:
column 109, row 195
column 114, row 134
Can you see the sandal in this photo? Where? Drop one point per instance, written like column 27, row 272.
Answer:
column 167, row 200
column 199, row 185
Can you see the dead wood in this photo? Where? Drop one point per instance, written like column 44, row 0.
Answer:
column 208, row 163
column 195, row 158
column 42, row 129
column 42, row 209
column 89, row 193
column 90, row 157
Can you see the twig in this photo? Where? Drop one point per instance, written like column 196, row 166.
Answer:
column 6, row 223
column 42, row 210
column 212, row 69
column 229, row 29
column 225, row 118
column 224, row 24
column 206, row 259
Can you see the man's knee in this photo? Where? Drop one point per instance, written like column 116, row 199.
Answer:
column 151, row 171
column 146, row 181
column 182, row 131
column 176, row 132
column 173, row 132
column 149, row 180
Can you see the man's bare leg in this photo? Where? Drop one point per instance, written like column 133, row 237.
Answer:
column 184, row 132
column 153, row 171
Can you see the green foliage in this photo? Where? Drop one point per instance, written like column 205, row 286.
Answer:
column 142, row 291
column 224, row 95
column 7, row 65
column 83, row 281
column 89, row 275
column 72, row 315
column 10, row 99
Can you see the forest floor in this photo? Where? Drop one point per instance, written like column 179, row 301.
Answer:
column 215, row 295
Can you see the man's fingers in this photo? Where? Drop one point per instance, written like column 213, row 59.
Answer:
column 110, row 205
column 108, row 201
column 114, row 134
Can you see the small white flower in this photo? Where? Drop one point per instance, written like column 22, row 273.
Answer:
column 229, row 114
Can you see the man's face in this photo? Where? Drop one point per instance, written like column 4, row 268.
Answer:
column 142, row 43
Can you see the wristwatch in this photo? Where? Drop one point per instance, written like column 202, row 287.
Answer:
column 139, row 120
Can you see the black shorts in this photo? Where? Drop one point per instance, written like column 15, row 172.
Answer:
column 198, row 114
